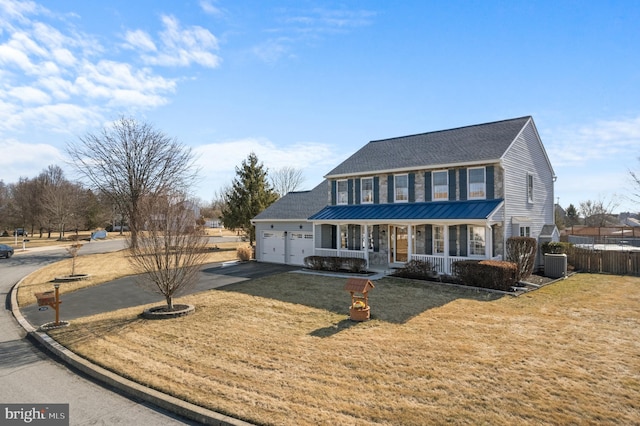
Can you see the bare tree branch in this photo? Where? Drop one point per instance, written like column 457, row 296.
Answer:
column 171, row 249
column 130, row 161
column 285, row 180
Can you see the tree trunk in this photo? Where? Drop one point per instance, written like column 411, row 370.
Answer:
column 169, row 303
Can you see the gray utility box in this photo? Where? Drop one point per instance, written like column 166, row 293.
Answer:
column 555, row 265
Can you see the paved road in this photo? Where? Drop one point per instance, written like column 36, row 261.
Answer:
column 27, row 375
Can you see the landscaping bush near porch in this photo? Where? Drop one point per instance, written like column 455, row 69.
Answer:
column 335, row 263
column 493, row 274
column 418, row 270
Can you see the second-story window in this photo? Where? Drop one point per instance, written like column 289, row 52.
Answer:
column 343, row 192
column 477, row 183
column 366, row 190
column 530, row 187
column 401, row 185
column 440, row 185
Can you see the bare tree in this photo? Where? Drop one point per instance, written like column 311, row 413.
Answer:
column 597, row 212
column 131, row 161
column 635, row 180
column 4, row 204
column 62, row 200
column 286, row 179
column 171, row 248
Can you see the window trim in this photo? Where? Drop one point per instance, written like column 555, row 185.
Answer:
column 526, row 229
column 470, row 241
column 530, row 182
column 395, row 188
column 345, row 192
column 433, row 186
column 362, row 191
column 484, row 176
column 436, row 240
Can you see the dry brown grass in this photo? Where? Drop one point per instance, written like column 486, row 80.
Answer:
column 280, row 350
column 101, row 268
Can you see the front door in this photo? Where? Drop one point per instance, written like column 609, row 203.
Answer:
column 399, row 244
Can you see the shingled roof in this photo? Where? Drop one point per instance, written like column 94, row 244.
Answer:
column 297, row 205
column 478, row 143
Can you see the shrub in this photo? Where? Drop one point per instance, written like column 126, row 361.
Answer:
column 332, row 263
column 493, row 274
column 244, row 253
column 335, row 263
column 522, row 252
column 354, row 264
column 314, row 262
column 553, row 247
column 417, row 269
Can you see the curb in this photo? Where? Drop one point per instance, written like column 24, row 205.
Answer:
column 128, row 387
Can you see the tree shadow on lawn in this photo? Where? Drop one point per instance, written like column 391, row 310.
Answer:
column 394, row 300
column 79, row 332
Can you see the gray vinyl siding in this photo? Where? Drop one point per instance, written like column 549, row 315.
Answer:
column 526, row 155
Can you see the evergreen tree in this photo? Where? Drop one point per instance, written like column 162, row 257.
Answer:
column 249, row 194
column 572, row 215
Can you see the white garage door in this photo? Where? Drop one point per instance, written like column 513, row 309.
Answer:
column 273, row 246
column 300, row 246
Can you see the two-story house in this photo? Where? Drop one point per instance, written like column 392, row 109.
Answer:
column 439, row 196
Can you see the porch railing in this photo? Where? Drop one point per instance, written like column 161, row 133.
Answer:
column 441, row 264
column 358, row 254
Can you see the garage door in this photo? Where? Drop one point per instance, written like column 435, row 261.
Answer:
column 300, row 246
column 273, row 246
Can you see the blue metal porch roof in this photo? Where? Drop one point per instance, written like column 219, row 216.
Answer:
column 437, row 210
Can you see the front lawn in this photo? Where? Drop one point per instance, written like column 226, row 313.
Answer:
column 281, row 350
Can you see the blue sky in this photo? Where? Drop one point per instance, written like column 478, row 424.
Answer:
column 307, row 83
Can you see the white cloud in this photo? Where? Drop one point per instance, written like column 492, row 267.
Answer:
column 219, row 160
column 20, row 159
column 30, row 95
column 602, row 140
column 272, row 50
column 140, row 40
column 308, row 25
column 208, row 8
column 183, row 47
column 57, row 78
column 62, row 117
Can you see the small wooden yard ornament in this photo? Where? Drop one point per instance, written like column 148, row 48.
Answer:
column 360, row 309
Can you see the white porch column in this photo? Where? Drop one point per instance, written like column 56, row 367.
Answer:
column 365, row 245
column 488, row 241
column 338, row 237
column 445, row 234
column 410, row 242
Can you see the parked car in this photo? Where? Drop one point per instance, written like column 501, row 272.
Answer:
column 6, row 251
column 20, row 232
column 5, row 233
column 116, row 228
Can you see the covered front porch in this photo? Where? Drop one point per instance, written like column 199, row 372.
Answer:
column 440, row 233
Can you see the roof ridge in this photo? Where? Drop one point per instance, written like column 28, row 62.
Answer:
column 452, row 129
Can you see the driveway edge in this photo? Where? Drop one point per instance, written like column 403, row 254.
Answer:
column 128, row 387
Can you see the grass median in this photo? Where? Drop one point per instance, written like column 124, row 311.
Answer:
column 280, row 350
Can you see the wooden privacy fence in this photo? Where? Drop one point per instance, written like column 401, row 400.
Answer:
column 604, row 261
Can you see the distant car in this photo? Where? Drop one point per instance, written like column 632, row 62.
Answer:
column 116, row 228
column 6, row 251
column 20, row 232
